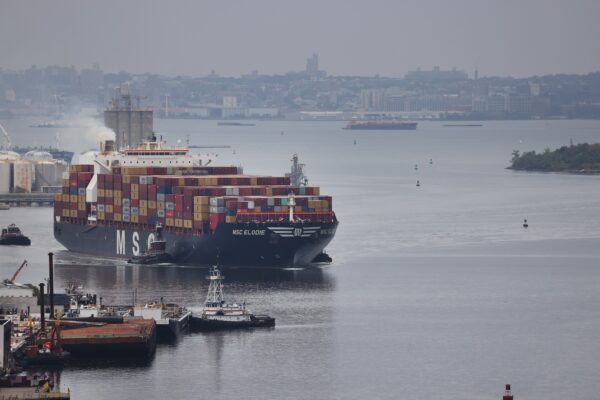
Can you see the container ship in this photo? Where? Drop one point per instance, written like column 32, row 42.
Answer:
column 113, row 202
column 381, row 125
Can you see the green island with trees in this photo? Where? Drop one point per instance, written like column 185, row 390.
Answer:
column 583, row 158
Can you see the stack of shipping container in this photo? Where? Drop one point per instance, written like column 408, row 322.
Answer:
column 194, row 199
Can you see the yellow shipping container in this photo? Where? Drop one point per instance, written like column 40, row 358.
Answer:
column 117, row 201
column 144, row 203
column 81, row 206
column 187, row 224
column 65, row 213
column 230, row 219
column 170, row 221
column 134, row 195
column 117, row 217
column 178, row 222
column 73, row 213
column 253, row 181
column 100, row 216
column 316, row 191
column 200, row 200
column 135, row 219
column 181, row 182
column 144, row 211
column 109, row 208
column 198, row 216
column 58, row 197
column 108, row 193
column 135, row 187
column 160, row 205
column 117, row 194
column 151, row 204
column 201, row 208
column 126, row 179
column 73, row 198
column 269, row 191
column 100, row 192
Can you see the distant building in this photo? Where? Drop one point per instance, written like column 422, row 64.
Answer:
column 436, row 75
column 312, row 65
column 372, row 99
column 230, row 101
column 131, row 124
column 497, row 104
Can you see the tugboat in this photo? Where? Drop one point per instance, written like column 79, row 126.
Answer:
column 157, row 252
column 13, row 235
column 220, row 315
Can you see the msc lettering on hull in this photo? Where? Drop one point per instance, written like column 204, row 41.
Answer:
column 249, row 232
column 135, row 241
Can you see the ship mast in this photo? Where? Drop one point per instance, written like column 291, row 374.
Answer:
column 215, row 289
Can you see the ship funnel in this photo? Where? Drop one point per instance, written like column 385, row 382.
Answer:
column 109, row 145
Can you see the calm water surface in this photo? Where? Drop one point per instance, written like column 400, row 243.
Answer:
column 435, row 291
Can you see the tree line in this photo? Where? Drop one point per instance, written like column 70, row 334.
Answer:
column 583, row 157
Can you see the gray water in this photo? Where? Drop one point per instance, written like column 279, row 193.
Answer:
column 435, row 291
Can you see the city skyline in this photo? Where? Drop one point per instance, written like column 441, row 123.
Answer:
column 516, row 39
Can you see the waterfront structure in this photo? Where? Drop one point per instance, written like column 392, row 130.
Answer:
column 131, row 124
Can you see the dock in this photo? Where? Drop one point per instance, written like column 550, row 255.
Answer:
column 27, row 199
column 27, row 393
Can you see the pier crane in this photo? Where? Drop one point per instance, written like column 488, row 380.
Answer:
column 11, row 281
column 8, row 143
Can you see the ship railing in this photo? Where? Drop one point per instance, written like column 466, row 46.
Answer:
column 308, row 216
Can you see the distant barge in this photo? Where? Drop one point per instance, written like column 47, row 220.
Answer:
column 381, row 125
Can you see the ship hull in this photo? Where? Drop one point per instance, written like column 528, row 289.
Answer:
column 233, row 244
column 405, row 126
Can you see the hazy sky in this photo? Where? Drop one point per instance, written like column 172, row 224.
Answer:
column 500, row 37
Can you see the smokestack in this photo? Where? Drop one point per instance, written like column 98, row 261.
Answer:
column 51, row 283
column 43, row 319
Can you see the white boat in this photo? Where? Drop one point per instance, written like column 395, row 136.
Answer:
column 218, row 314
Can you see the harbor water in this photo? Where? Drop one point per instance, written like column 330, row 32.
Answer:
column 435, row 291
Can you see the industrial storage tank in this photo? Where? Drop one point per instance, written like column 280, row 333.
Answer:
column 4, row 177
column 46, row 174
column 22, row 176
column 37, row 156
column 9, row 156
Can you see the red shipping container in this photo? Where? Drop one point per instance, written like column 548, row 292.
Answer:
column 135, row 202
column 215, row 219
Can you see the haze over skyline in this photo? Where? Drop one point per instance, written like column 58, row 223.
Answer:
column 509, row 38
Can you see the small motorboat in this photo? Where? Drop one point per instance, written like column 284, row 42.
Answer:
column 12, row 235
